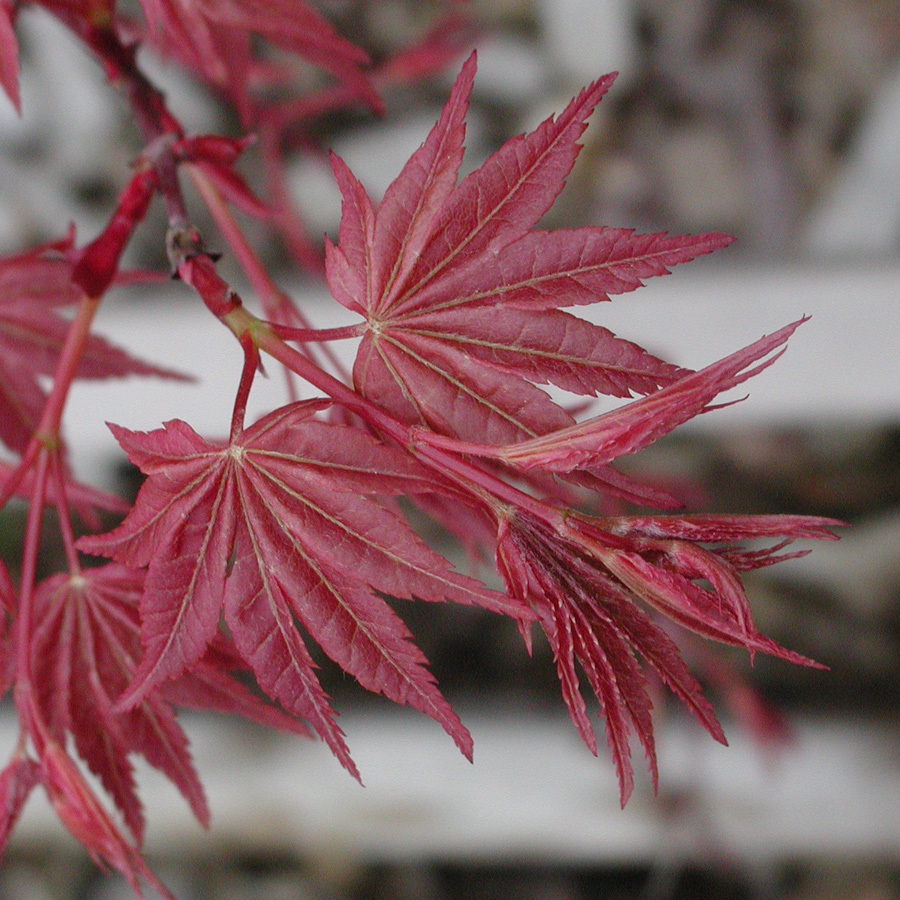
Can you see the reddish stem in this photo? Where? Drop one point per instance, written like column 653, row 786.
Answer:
column 79, row 332
column 24, row 614
column 248, row 373
column 275, row 302
column 305, row 335
column 93, row 272
column 119, row 61
column 151, row 114
column 64, row 515
column 272, row 298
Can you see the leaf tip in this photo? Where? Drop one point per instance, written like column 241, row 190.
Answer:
column 465, row 743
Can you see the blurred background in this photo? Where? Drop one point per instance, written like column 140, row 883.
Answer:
column 775, row 120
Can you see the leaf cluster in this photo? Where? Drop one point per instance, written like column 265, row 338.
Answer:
column 240, row 552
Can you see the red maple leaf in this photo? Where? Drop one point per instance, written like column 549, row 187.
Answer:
column 587, row 579
column 86, row 649
column 462, row 304
column 462, row 298
column 601, row 439
column 33, row 286
column 217, row 38
column 274, row 529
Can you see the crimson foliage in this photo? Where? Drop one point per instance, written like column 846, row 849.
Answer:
column 237, row 552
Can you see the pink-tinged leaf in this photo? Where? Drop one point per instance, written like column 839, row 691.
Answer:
column 602, row 649
column 619, row 684
column 154, row 732
column 420, row 381
column 181, row 30
column 21, row 402
column 276, row 530
column 182, row 601
column 606, row 480
column 659, row 651
column 586, row 578
column 86, row 652
column 214, row 683
column 264, row 632
column 9, row 56
column 219, row 41
column 694, row 607
column 579, row 631
column 352, row 534
column 463, row 301
column 165, row 504
column 76, row 493
column 558, row 628
column 347, row 619
column 43, row 274
column 634, row 426
column 348, row 285
column 696, row 586
column 182, row 517
column 717, row 527
column 294, row 24
column 72, row 693
column 434, row 52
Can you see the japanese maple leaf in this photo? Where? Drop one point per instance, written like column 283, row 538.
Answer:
column 33, row 285
column 462, row 298
column 86, row 648
column 588, row 580
column 216, row 38
column 274, row 529
column 599, row 440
